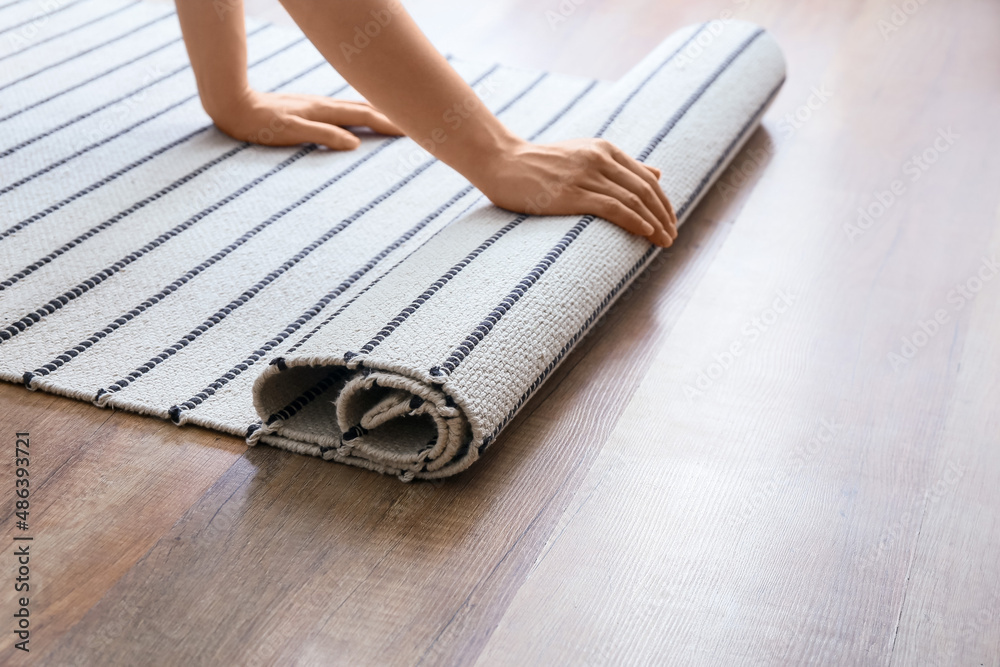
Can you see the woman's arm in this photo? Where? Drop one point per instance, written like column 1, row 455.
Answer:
column 215, row 38
column 398, row 70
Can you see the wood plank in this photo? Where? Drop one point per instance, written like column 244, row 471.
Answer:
column 951, row 614
column 104, row 487
column 118, row 552
column 294, row 550
column 617, row 520
column 723, row 527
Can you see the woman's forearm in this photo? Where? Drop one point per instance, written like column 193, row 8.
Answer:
column 412, row 89
column 384, row 55
column 215, row 38
column 402, row 75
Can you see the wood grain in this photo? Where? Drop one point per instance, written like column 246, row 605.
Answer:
column 104, row 488
column 811, row 502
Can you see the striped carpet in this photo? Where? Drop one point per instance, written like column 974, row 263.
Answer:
column 368, row 307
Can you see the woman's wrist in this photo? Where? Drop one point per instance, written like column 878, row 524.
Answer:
column 226, row 104
column 486, row 153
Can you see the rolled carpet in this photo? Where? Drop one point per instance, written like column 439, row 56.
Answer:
column 418, row 374
column 368, row 307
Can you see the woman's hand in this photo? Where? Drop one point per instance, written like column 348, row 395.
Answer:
column 278, row 119
column 581, row 176
column 404, row 75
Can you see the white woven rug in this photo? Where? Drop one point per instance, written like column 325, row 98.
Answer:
column 368, row 307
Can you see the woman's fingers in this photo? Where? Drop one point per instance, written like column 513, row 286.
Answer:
column 302, row 130
column 603, row 185
column 642, row 188
column 651, row 176
column 613, row 210
column 338, row 112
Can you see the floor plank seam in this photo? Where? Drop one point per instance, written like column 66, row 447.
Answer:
column 500, row 562
column 906, row 582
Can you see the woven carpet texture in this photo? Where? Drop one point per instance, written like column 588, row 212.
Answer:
column 368, row 307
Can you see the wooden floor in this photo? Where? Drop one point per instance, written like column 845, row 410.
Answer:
column 812, row 499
